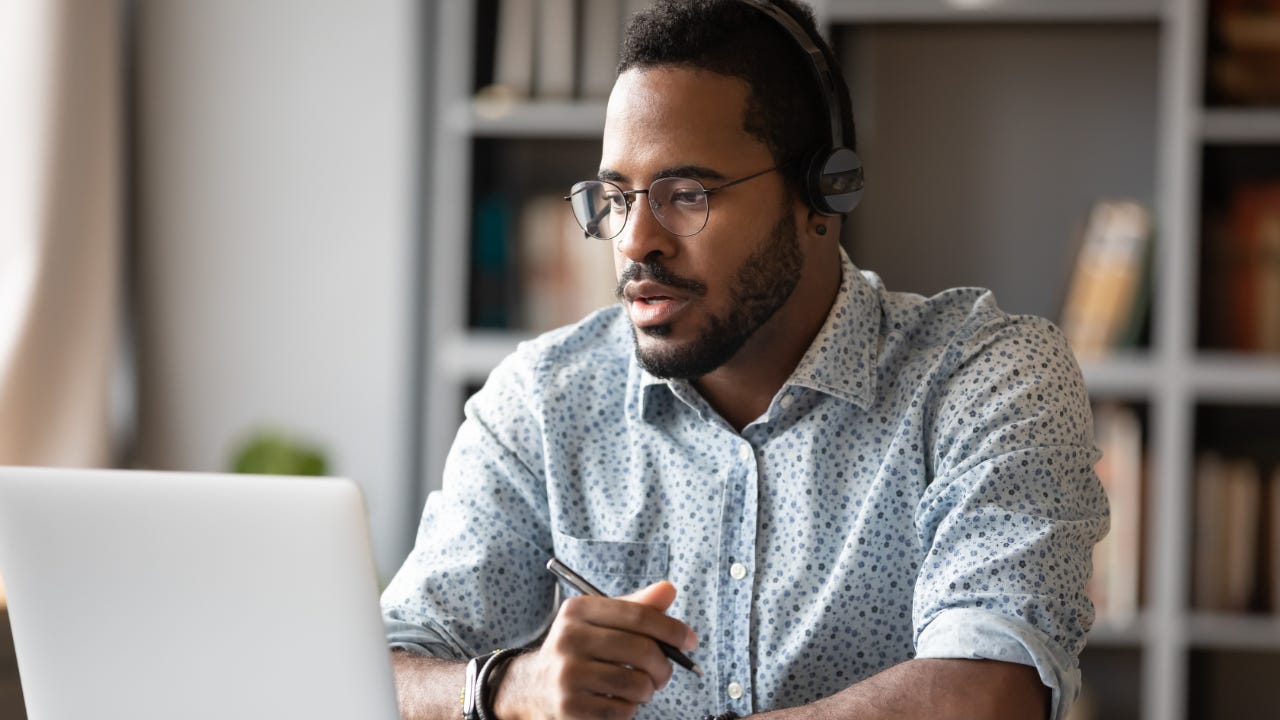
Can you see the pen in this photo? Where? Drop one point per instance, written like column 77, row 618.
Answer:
column 577, row 582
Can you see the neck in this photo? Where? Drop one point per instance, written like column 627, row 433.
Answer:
column 741, row 389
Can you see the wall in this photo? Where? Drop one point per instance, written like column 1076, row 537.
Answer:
column 987, row 144
column 276, row 148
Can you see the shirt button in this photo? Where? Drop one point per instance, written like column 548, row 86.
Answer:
column 735, row 690
column 744, row 452
column 737, row 571
column 787, row 401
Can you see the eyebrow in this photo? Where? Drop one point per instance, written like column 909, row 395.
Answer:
column 696, row 172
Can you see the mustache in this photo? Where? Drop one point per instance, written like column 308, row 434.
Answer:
column 653, row 270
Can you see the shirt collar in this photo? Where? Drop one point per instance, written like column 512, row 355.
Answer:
column 840, row 361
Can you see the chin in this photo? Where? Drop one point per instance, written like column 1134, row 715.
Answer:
column 679, row 360
column 656, row 331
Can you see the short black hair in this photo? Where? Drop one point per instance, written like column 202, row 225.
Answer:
column 785, row 107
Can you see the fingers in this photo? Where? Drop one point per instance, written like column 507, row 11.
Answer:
column 600, row 658
column 658, row 596
column 613, row 648
column 614, row 682
column 633, row 617
column 546, row 685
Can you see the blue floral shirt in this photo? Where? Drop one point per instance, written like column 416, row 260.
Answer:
column 921, row 487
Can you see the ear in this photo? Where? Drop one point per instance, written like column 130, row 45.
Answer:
column 820, row 226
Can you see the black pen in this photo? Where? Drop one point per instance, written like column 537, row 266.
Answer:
column 577, row 582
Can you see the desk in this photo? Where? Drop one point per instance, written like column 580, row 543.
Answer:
column 10, row 689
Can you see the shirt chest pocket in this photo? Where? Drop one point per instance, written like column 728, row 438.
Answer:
column 615, row 567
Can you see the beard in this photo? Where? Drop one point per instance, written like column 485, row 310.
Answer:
column 763, row 283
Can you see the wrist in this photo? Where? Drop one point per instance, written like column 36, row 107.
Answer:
column 508, row 696
column 484, row 676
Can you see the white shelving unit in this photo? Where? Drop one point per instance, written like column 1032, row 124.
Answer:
column 1171, row 378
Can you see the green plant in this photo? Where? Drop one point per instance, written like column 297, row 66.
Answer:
column 274, row 453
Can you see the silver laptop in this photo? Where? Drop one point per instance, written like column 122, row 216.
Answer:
column 146, row 595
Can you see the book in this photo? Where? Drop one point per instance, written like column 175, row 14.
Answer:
column 1242, row 504
column 1228, row 519
column 1272, row 545
column 491, row 273
column 1103, row 296
column 1248, row 26
column 1240, row 287
column 513, row 50
column 555, row 49
column 1117, row 558
column 1244, row 66
column 1269, row 279
column 601, row 36
column 1210, row 546
column 1255, row 228
column 563, row 274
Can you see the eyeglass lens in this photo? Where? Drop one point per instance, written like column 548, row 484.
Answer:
column 601, row 208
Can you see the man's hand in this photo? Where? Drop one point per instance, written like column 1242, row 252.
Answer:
column 600, row 659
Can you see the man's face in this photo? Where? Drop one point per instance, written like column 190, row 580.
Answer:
column 694, row 301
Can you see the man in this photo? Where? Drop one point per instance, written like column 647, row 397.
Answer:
column 842, row 502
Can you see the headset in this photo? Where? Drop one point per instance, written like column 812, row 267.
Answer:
column 833, row 173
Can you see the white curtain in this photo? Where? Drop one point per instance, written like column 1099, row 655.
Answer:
column 60, row 220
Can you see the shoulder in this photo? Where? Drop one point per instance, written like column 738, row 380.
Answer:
column 958, row 325
column 969, row 357
column 957, row 318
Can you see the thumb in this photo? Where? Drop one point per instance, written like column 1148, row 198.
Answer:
column 658, row 596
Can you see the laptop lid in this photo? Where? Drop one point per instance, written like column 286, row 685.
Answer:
column 179, row 595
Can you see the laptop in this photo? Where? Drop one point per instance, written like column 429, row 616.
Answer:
column 164, row 595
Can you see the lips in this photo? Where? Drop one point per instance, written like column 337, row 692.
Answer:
column 651, row 303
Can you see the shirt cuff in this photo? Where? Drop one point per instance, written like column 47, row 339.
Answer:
column 982, row 635
column 416, row 639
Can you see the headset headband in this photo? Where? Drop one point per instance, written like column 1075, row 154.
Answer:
column 821, row 70
column 833, row 179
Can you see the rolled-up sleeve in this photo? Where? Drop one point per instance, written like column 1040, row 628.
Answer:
column 1014, row 510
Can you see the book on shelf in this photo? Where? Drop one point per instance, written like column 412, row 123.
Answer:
column 1272, row 546
column 1244, row 67
column 1241, row 282
column 535, row 50
column 1243, row 502
column 1227, row 523
column 1108, row 294
column 555, row 49
column 601, row 38
column 1117, row 558
column 492, row 276
column 563, row 274
column 513, row 49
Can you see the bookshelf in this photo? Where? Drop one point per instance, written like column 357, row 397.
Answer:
column 1172, row 660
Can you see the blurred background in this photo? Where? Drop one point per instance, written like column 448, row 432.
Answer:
column 295, row 234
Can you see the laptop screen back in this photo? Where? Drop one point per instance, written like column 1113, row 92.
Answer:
column 178, row 595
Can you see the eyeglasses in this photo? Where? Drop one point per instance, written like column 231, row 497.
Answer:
column 680, row 204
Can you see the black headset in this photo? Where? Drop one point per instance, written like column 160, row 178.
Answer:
column 833, row 173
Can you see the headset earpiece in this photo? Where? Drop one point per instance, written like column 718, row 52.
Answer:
column 833, row 181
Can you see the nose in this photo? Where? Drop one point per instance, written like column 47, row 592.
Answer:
column 643, row 235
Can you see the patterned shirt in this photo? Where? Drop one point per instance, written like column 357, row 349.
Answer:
column 921, row 487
